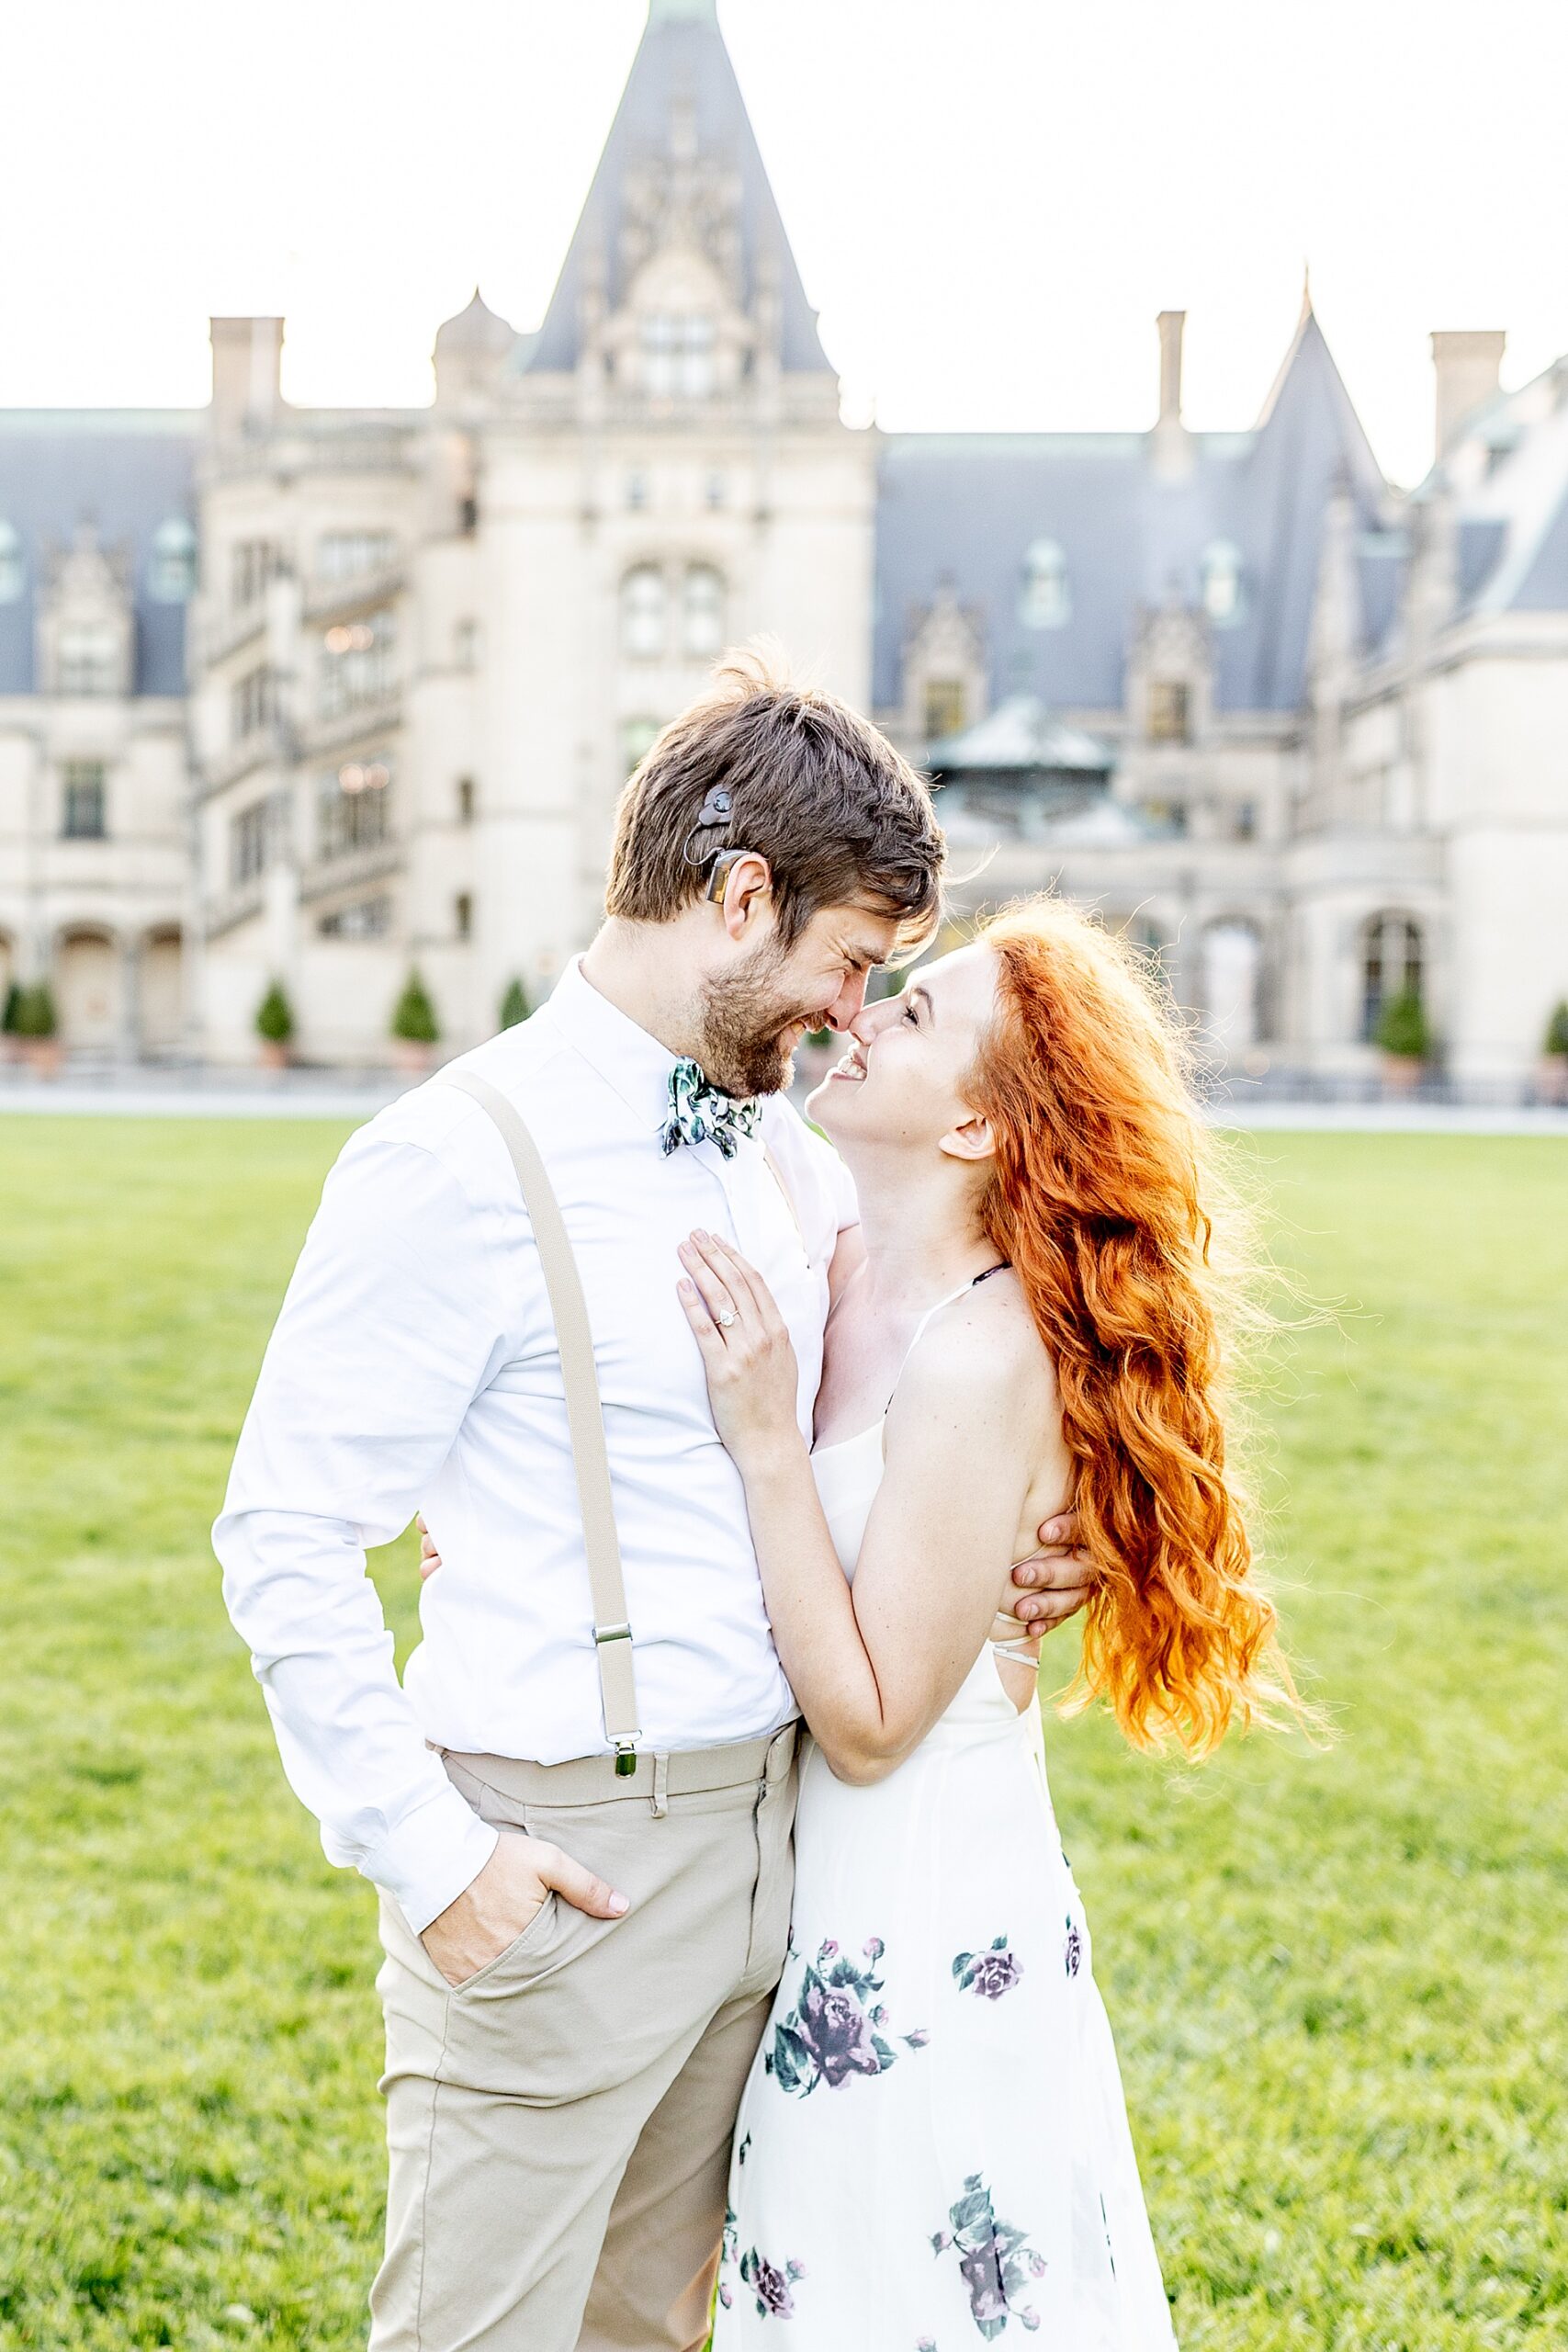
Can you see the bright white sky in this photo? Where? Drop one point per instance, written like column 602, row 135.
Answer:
column 989, row 200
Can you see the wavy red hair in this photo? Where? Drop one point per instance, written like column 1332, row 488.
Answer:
column 1103, row 1195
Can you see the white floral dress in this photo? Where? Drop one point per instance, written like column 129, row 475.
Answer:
column 932, row 2151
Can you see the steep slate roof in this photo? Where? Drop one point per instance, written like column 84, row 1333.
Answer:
column 1544, row 587
column 681, row 56
column 969, row 506
column 125, row 470
column 1512, row 525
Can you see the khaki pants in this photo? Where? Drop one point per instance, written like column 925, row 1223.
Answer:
column 559, row 2126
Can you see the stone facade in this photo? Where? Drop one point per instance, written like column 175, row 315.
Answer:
column 323, row 698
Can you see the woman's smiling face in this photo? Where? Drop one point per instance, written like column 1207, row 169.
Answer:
column 901, row 1081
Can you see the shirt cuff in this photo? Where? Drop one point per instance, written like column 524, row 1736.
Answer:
column 434, row 1853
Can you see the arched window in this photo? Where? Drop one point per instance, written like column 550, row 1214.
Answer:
column 171, row 572
column 1221, row 572
column 13, row 569
column 644, row 613
column 1393, row 964
column 702, row 612
column 1045, row 599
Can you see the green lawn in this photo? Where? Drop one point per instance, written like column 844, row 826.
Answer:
column 1338, row 1980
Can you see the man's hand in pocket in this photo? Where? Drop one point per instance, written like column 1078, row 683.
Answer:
column 506, row 1898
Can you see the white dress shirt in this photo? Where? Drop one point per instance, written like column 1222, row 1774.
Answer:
column 414, row 1365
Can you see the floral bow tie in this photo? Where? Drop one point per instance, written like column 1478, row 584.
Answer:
column 700, row 1114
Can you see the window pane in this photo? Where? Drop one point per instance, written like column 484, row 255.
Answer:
column 637, row 738
column 171, row 575
column 89, row 654
column 357, row 663
column 944, row 707
column 1167, row 711
column 84, row 813
column 643, row 605
column 702, row 629
column 1045, row 601
column 348, row 555
column 353, row 807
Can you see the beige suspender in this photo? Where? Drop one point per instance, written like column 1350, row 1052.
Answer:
column 585, row 1419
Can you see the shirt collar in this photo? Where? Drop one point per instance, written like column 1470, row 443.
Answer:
column 625, row 1057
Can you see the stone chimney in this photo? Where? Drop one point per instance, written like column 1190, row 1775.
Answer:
column 1469, row 365
column 1172, row 448
column 247, row 355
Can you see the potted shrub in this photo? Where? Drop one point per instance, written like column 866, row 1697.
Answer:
column 9, row 1048
column 515, row 1006
column 274, row 1027
column 1405, row 1041
column 1554, row 1056
column 414, row 1027
column 36, row 1027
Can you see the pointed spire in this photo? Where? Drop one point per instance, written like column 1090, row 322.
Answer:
column 1306, row 293
column 682, row 85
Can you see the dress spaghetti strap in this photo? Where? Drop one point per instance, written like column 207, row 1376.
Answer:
column 931, row 1314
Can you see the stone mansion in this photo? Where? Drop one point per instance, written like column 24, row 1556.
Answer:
column 320, row 697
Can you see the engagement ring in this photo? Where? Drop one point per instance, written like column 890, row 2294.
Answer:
column 725, row 1320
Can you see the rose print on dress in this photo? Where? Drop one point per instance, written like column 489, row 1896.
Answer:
column 996, row 2259
column 729, row 2246
column 770, row 2284
column 835, row 2029
column 1072, row 1951
column 987, row 1973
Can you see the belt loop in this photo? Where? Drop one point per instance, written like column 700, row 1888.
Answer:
column 659, row 1800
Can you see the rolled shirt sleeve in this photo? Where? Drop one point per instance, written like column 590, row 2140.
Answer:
column 390, row 1325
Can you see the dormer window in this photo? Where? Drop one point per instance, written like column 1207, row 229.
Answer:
column 353, row 555
column 171, row 574
column 1221, row 573
column 1045, row 598
column 677, row 355
column 12, row 568
column 1170, row 711
column 89, row 658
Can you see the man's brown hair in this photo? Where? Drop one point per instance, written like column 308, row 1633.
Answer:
column 840, row 816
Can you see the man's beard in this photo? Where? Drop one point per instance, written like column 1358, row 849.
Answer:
column 740, row 1018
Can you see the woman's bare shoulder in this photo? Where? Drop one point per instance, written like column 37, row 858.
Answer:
column 981, row 1358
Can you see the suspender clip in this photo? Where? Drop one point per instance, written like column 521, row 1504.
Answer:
column 626, row 1759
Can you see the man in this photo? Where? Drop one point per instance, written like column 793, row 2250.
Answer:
column 578, row 1807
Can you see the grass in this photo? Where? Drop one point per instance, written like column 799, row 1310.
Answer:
column 1337, row 1979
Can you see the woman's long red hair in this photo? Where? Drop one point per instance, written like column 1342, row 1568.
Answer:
column 1103, row 1195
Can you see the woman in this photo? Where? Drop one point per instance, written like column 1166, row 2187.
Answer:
column 932, row 2149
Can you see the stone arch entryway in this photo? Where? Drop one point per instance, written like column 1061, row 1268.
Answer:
column 161, row 991
column 1231, row 968
column 87, row 983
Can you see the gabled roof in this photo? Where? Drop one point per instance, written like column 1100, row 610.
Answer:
column 126, row 471
column 681, row 60
column 972, row 504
